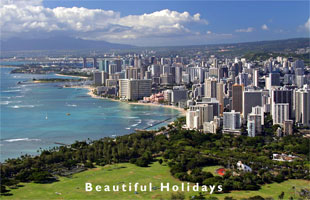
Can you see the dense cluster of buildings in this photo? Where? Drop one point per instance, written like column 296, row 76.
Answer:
column 245, row 92
column 227, row 94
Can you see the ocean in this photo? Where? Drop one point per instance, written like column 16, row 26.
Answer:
column 35, row 116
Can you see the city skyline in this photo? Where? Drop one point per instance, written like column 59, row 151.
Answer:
column 156, row 23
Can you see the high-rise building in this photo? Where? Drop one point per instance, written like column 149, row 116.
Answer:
column 237, row 91
column 288, row 127
column 106, row 63
column 196, row 74
column 302, row 106
column 112, row 68
column 101, row 65
column 272, row 80
column 220, row 95
column 251, row 128
column 84, row 62
column 223, row 72
column 133, row 89
column 166, row 79
column 214, row 72
column 178, row 74
column 244, row 79
column 282, row 95
column 192, row 119
column 203, row 113
column 178, row 94
column 155, row 69
column 257, row 119
column 95, row 62
column 256, row 78
column 250, row 99
column 213, row 102
column 300, row 80
column 231, row 120
column 280, row 113
column 118, row 64
column 210, row 87
column 132, row 73
column 137, row 62
column 100, row 78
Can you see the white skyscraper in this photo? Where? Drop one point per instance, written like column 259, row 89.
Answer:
column 133, row 89
column 256, row 77
column 302, row 106
column 231, row 120
column 210, row 87
column 280, row 113
column 251, row 128
column 204, row 113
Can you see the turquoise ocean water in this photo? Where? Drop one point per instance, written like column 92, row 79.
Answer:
column 34, row 116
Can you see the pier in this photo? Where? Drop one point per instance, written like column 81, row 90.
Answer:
column 160, row 122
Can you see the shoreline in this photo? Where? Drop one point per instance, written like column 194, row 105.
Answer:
column 83, row 77
column 92, row 95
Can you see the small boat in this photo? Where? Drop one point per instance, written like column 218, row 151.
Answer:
column 68, row 114
column 46, row 117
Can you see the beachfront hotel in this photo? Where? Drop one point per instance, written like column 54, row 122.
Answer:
column 134, row 89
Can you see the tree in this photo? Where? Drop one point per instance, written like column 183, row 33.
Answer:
column 160, row 161
column 256, row 198
column 142, row 162
column 281, row 196
column 3, row 189
column 41, row 177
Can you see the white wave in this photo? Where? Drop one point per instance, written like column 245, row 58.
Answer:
column 21, row 139
column 71, row 105
column 7, row 91
column 128, row 128
column 151, row 122
column 22, row 106
column 130, row 117
column 134, row 125
column 19, row 96
column 8, row 102
column 4, row 102
column 15, row 87
column 5, row 97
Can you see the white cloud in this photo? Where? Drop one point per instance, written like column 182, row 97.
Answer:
column 265, row 27
column 247, row 30
column 307, row 24
column 210, row 34
column 21, row 17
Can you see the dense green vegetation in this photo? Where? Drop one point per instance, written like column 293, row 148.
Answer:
column 185, row 152
column 76, row 74
column 51, row 80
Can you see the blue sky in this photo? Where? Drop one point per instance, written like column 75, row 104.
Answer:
column 158, row 23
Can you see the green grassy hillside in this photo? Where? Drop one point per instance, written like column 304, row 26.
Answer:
column 118, row 174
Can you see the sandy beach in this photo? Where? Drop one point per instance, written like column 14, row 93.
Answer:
column 83, row 77
column 90, row 93
column 183, row 112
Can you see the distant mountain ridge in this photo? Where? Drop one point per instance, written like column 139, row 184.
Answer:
column 68, row 43
column 58, row 43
